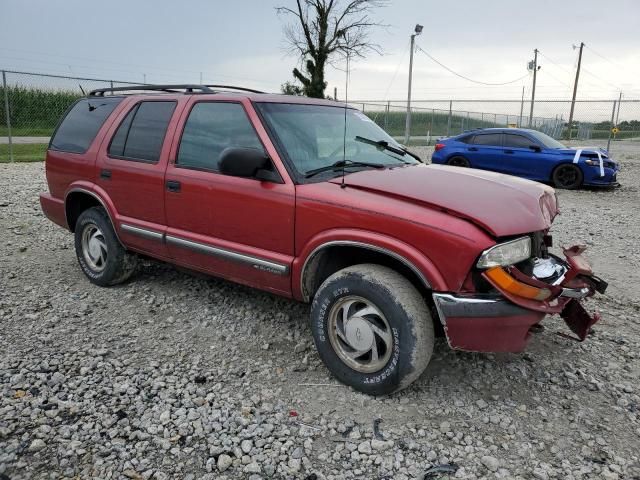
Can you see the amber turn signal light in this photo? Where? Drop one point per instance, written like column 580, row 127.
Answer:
column 502, row 279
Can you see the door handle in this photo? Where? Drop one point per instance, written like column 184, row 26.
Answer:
column 473, row 149
column 508, row 151
column 105, row 174
column 173, row 185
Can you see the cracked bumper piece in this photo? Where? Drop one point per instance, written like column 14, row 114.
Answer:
column 501, row 322
column 485, row 323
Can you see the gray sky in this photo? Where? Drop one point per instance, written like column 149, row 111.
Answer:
column 241, row 42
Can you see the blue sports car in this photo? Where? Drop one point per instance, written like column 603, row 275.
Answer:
column 529, row 154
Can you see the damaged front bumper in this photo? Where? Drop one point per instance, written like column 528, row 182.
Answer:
column 501, row 322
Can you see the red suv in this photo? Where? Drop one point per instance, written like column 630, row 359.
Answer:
column 311, row 200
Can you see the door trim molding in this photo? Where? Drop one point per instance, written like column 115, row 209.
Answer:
column 255, row 262
column 142, row 232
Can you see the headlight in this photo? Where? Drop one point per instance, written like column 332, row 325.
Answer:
column 593, row 163
column 505, row 254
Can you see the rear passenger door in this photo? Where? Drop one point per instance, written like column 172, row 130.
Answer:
column 487, row 151
column 130, row 170
column 233, row 227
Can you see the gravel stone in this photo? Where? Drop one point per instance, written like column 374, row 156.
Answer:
column 224, row 462
column 166, row 376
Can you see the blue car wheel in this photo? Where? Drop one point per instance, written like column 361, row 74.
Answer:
column 567, row 176
column 458, row 161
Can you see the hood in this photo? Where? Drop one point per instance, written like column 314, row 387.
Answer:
column 500, row 204
column 586, row 152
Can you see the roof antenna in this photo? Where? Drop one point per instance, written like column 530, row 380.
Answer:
column 344, row 137
column 91, row 107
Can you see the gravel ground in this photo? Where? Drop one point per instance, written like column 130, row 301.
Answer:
column 177, row 376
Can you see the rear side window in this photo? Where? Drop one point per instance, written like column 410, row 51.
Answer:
column 141, row 133
column 517, row 141
column 80, row 126
column 466, row 139
column 493, row 139
column 210, row 128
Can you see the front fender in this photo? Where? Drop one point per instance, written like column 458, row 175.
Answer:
column 409, row 255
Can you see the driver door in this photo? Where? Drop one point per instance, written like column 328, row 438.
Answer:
column 237, row 228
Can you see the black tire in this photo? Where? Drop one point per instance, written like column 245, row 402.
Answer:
column 105, row 261
column 458, row 161
column 567, row 176
column 407, row 319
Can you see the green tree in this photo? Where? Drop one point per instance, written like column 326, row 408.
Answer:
column 290, row 88
column 326, row 31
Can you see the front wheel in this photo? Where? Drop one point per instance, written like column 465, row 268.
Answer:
column 372, row 328
column 568, row 176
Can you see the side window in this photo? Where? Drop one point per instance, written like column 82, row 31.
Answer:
column 517, row 141
column 141, row 133
column 210, row 128
column 466, row 139
column 492, row 139
column 81, row 124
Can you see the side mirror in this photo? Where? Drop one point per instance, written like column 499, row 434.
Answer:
column 535, row 148
column 243, row 162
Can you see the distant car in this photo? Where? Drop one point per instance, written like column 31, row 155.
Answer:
column 528, row 154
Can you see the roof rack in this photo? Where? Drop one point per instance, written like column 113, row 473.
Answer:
column 188, row 88
column 173, row 88
column 231, row 87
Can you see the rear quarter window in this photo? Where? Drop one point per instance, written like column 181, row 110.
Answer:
column 79, row 127
column 141, row 134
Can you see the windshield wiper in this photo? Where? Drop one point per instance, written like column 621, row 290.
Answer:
column 385, row 145
column 341, row 164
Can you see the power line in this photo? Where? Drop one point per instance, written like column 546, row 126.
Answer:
column 605, row 58
column 583, row 69
column 467, row 78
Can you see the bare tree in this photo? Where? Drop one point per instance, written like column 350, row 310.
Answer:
column 324, row 31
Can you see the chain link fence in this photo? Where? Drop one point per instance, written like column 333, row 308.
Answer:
column 33, row 103
column 31, row 106
column 430, row 120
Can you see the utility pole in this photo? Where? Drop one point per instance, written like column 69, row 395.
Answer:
column 200, row 78
column 335, row 93
column 533, row 89
column 618, row 114
column 575, row 90
column 407, row 127
column 521, row 108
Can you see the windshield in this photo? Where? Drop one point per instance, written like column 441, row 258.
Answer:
column 546, row 140
column 314, row 138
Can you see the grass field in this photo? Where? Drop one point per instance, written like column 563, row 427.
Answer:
column 33, row 152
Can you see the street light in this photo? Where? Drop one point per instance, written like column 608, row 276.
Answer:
column 417, row 31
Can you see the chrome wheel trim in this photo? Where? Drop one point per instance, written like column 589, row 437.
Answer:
column 94, row 248
column 360, row 334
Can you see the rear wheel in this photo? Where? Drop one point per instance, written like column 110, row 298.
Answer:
column 372, row 328
column 100, row 254
column 458, row 161
column 568, row 176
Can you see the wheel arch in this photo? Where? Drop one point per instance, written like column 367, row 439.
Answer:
column 78, row 199
column 327, row 256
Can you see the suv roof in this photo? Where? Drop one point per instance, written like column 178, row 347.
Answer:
column 195, row 89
